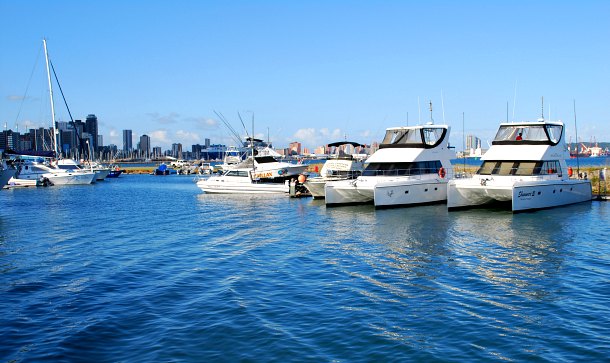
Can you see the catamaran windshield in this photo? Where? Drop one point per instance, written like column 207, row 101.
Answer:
column 402, row 136
column 417, row 137
column 537, row 134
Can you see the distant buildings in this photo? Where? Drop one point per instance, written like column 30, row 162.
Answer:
column 294, row 148
column 473, row 146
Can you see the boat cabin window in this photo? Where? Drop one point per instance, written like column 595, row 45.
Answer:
column 265, row 159
column 528, row 134
column 238, row 173
column 520, row 168
column 394, row 169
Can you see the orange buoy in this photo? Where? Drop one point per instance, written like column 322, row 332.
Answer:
column 302, row 178
column 570, row 171
column 441, row 172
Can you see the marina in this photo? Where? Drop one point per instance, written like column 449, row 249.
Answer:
column 266, row 277
column 270, row 182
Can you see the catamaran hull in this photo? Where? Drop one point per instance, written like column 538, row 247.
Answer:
column 403, row 194
column 316, row 188
column 347, row 192
column 527, row 195
column 241, row 188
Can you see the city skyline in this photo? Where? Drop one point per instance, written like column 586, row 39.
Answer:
column 362, row 68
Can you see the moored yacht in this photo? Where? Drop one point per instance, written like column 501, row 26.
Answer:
column 412, row 166
column 240, row 181
column 70, row 165
column 32, row 173
column 267, row 168
column 339, row 166
column 525, row 167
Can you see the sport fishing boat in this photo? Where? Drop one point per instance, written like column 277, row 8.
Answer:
column 525, row 168
column 268, row 169
column 339, row 166
column 240, row 181
column 411, row 167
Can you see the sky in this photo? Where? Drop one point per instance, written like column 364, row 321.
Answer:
column 309, row 71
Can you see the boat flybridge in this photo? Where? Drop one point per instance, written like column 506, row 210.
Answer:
column 340, row 165
column 524, row 167
column 411, row 167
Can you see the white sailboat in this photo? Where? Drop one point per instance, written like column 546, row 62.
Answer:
column 526, row 168
column 69, row 176
column 34, row 173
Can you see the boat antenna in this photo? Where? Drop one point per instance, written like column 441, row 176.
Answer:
column 252, row 143
column 542, row 113
column 418, row 111
column 576, row 129
column 407, row 118
column 46, row 55
column 431, row 119
column 515, row 100
column 443, row 106
column 463, row 143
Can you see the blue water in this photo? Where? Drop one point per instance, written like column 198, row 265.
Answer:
column 145, row 268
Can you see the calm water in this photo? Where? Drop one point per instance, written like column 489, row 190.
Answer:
column 147, row 268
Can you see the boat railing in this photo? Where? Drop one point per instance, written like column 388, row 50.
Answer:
column 343, row 174
column 412, row 172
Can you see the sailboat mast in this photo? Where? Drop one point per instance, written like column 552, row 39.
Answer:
column 46, row 55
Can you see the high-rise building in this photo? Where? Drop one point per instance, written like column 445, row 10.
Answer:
column 156, row 152
column 91, row 129
column 127, row 141
column 177, row 150
column 207, row 143
column 9, row 140
column 145, row 145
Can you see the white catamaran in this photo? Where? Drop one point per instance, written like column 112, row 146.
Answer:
column 526, row 168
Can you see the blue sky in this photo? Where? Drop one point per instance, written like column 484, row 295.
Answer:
column 314, row 72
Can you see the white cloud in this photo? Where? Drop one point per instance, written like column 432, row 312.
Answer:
column 313, row 138
column 205, row 123
column 159, row 137
column 172, row 118
column 187, row 137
